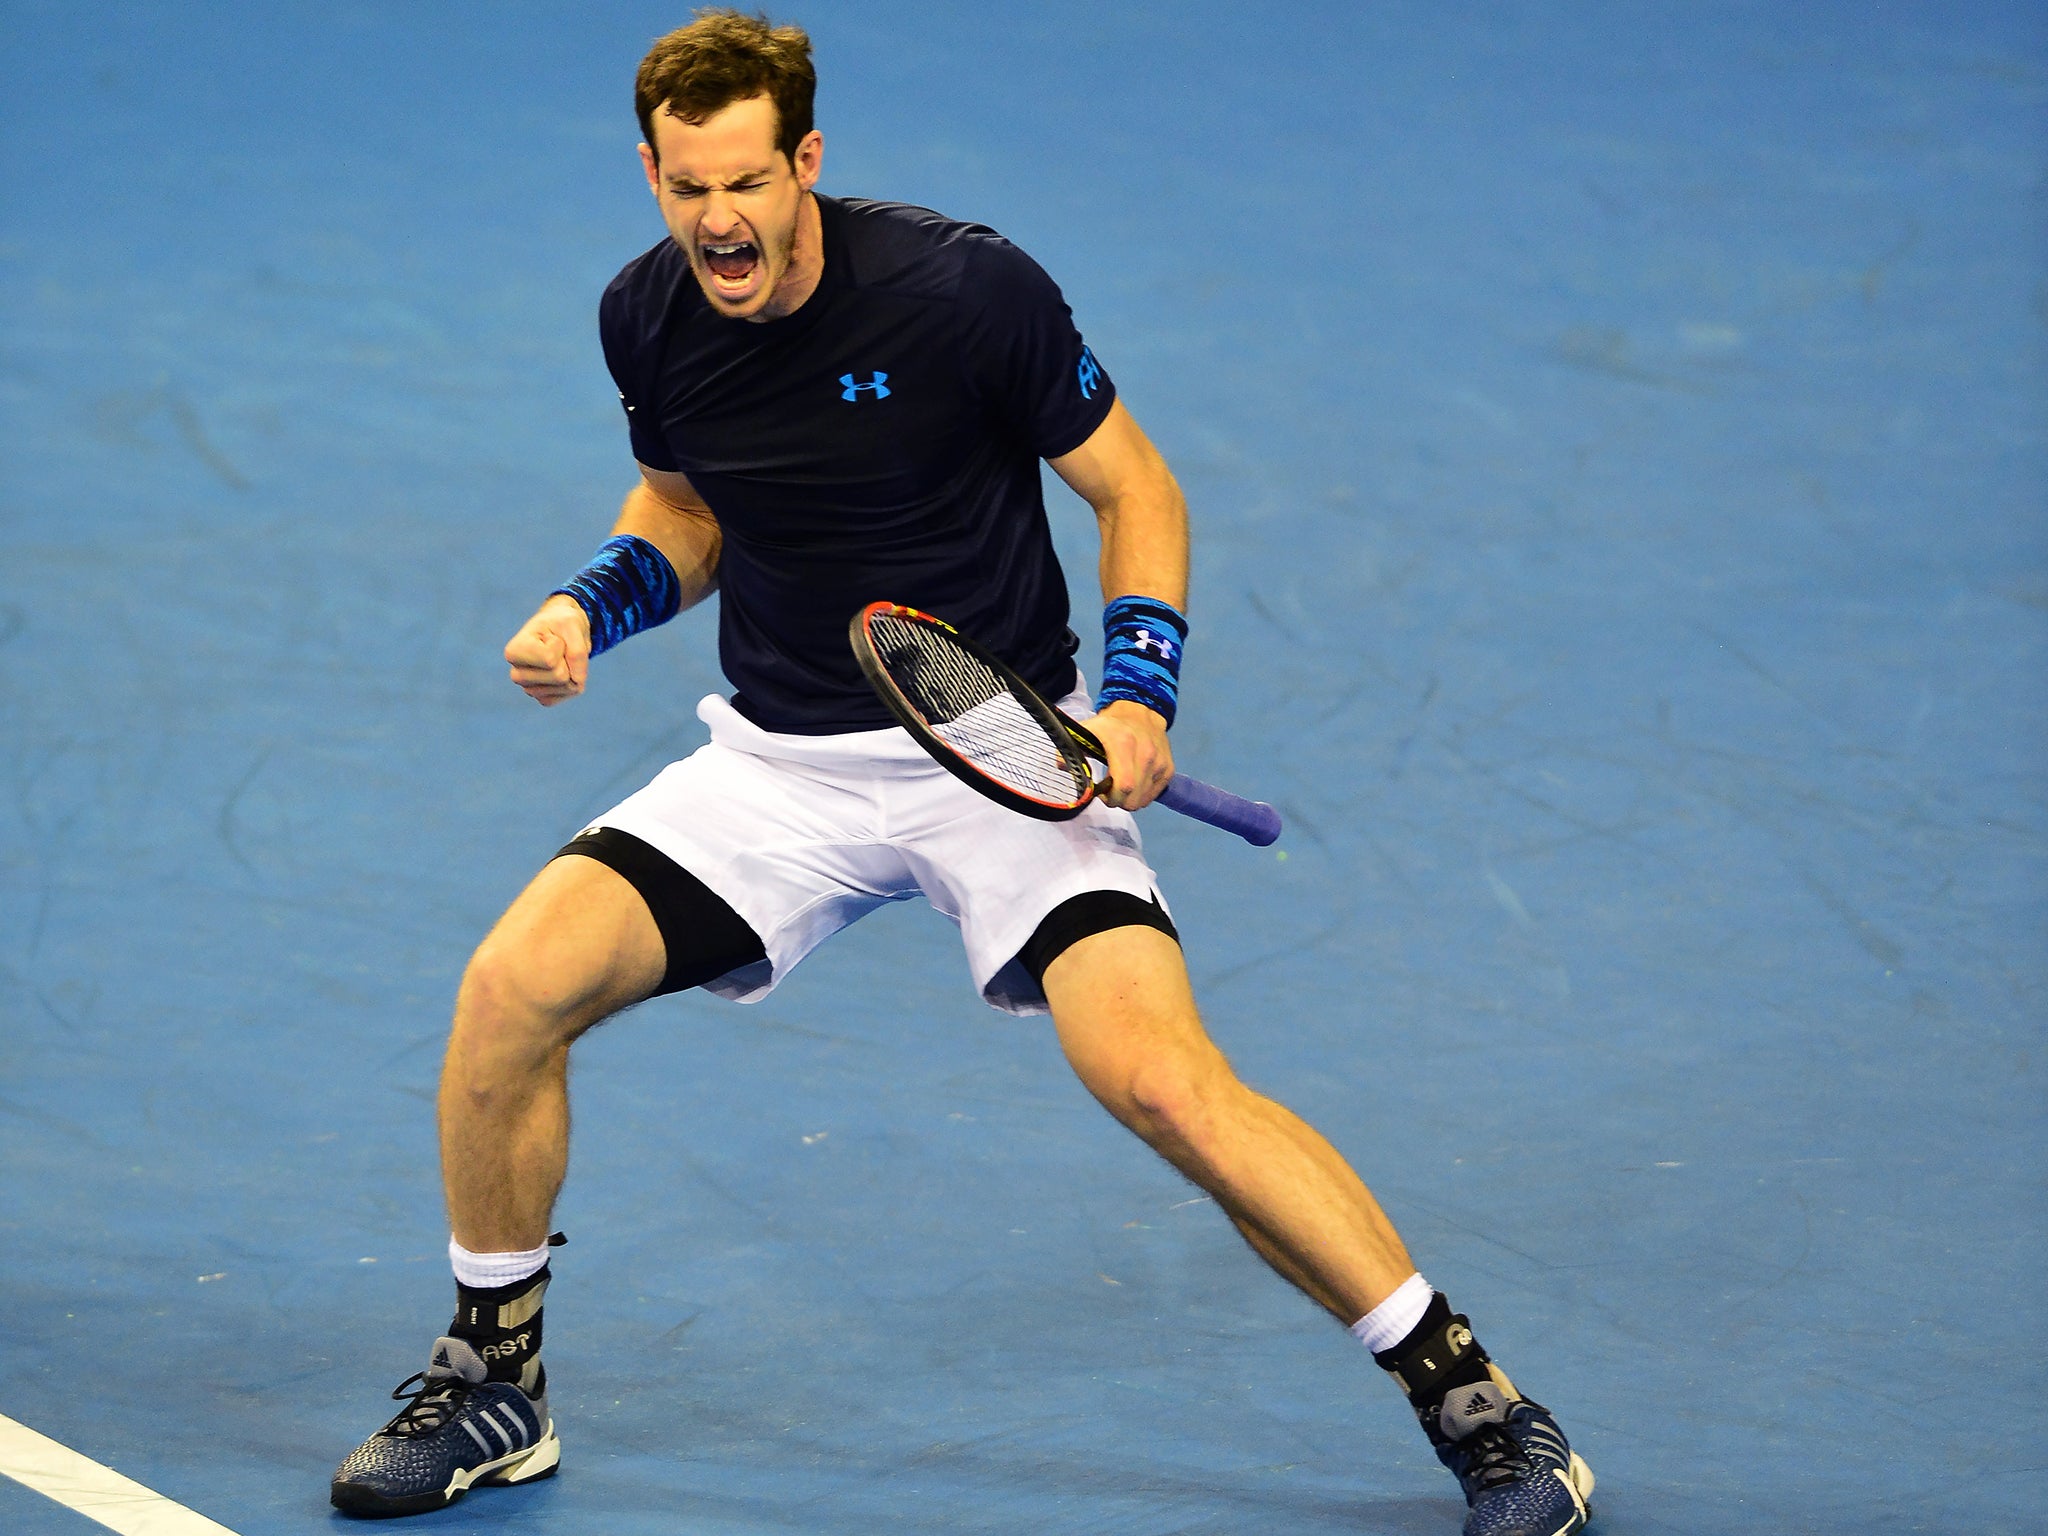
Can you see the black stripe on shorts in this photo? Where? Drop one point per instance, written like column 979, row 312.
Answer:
column 1079, row 917
column 704, row 937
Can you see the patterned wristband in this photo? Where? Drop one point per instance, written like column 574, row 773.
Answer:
column 627, row 587
column 1141, row 645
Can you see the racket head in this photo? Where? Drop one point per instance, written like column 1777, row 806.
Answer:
column 976, row 717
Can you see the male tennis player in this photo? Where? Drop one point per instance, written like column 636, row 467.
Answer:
column 832, row 401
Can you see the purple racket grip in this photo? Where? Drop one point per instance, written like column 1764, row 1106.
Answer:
column 1253, row 820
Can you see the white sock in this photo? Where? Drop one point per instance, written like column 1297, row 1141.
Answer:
column 488, row 1271
column 1395, row 1318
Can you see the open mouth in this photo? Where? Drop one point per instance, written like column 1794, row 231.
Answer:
column 732, row 265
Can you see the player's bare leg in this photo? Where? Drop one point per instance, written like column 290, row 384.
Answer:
column 1127, row 1021
column 577, row 946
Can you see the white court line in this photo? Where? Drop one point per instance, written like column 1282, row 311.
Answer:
column 99, row 1493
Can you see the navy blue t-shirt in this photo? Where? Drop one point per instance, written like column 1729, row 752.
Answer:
column 881, row 442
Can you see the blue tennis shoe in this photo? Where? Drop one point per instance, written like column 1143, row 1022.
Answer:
column 458, row 1430
column 1519, row 1475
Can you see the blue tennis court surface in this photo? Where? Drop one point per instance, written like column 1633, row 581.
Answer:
column 1617, row 441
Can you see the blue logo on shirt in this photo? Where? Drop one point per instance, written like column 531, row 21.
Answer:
column 879, row 384
column 1089, row 373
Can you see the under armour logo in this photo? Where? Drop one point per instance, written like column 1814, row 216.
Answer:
column 1089, row 373
column 1145, row 640
column 879, row 384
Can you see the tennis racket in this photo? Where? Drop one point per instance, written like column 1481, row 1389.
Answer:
column 985, row 725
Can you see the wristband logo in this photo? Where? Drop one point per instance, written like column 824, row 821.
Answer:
column 1144, row 640
column 879, row 383
column 1089, row 374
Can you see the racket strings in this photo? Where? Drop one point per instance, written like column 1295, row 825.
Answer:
column 970, row 708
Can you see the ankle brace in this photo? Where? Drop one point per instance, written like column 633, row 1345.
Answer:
column 1436, row 1360
column 503, row 1322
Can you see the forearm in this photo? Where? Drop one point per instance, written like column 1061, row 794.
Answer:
column 1143, row 519
column 688, row 538
column 1142, row 516
column 1145, row 542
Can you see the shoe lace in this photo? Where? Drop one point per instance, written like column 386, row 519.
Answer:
column 1494, row 1457
column 429, row 1405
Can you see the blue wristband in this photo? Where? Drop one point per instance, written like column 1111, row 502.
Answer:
column 627, row 587
column 1141, row 645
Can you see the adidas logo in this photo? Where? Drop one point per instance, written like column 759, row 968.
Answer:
column 1479, row 1403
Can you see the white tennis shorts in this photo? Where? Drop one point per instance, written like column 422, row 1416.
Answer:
column 802, row 835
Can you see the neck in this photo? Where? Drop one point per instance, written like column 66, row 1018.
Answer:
column 806, row 264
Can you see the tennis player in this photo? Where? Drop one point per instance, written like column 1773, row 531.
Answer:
column 834, row 400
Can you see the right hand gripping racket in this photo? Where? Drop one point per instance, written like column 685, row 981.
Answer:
column 985, row 725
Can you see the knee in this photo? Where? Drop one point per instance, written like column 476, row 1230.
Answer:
column 511, row 999
column 1177, row 1098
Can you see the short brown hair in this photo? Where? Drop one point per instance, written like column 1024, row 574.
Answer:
column 723, row 57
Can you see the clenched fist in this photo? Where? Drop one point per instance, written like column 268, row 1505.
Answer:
column 550, row 656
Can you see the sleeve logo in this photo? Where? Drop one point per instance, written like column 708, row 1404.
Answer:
column 1089, row 373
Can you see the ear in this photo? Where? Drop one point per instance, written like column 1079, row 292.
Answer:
column 809, row 159
column 653, row 170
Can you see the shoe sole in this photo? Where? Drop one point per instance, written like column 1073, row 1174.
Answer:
column 527, row 1466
